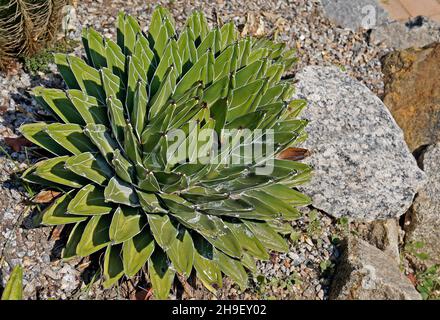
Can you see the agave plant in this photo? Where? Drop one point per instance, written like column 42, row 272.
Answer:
column 14, row 287
column 120, row 188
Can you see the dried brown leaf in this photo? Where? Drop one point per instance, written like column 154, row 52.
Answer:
column 294, row 154
column 16, row 143
column 412, row 278
column 186, row 286
column 56, row 232
column 143, row 294
column 45, row 196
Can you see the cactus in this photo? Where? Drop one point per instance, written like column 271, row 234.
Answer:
column 26, row 26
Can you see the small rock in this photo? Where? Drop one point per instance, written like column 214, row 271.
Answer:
column 423, row 221
column 417, row 33
column 363, row 168
column 355, row 14
column 366, row 273
column 69, row 282
column 52, row 274
column 383, row 234
column 412, row 93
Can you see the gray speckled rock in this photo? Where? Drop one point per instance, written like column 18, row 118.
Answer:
column 355, row 14
column 423, row 222
column 363, row 168
column 418, row 32
column 366, row 273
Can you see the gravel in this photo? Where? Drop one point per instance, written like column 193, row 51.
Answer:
column 303, row 273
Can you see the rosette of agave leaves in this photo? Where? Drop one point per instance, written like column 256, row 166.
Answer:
column 121, row 190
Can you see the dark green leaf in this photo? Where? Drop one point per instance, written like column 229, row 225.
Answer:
column 101, row 139
column 163, row 230
column 136, row 251
column 56, row 102
column 118, row 191
column 248, row 240
column 206, row 267
column 181, row 252
column 57, row 212
column 113, row 266
column 95, row 49
column 89, row 201
column 70, row 250
column 14, row 287
column 87, row 77
column 36, row 133
column 126, row 223
column 95, row 235
column 161, row 274
column 232, row 268
column 54, row 170
column 267, row 236
column 88, row 107
column 90, row 166
column 71, row 137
